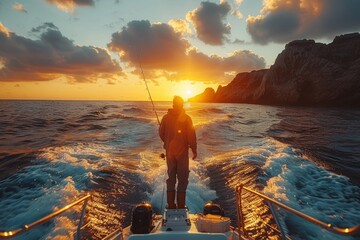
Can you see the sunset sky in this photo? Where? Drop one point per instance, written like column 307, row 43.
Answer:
column 93, row 49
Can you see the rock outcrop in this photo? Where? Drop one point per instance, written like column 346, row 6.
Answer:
column 207, row 96
column 304, row 73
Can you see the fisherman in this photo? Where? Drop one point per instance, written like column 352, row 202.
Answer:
column 178, row 134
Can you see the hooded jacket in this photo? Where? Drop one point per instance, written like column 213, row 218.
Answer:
column 177, row 132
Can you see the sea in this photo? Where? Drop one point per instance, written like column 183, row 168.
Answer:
column 55, row 152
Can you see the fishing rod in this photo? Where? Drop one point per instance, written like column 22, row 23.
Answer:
column 162, row 155
column 148, row 90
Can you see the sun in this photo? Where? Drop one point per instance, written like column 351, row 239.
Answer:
column 188, row 92
column 186, row 89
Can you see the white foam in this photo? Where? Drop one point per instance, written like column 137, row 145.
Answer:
column 56, row 178
column 198, row 192
column 301, row 184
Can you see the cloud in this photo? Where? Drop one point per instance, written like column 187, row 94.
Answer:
column 180, row 26
column 157, row 45
column 52, row 56
column 164, row 53
column 45, row 26
column 208, row 21
column 282, row 21
column 19, row 7
column 236, row 12
column 239, row 41
column 4, row 30
column 198, row 66
column 69, row 5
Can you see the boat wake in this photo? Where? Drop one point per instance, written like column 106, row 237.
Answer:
column 111, row 150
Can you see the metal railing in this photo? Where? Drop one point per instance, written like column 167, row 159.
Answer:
column 241, row 223
column 27, row 227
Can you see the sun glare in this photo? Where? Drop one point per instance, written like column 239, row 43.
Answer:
column 185, row 89
column 188, row 92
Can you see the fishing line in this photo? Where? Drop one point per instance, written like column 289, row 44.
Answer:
column 157, row 118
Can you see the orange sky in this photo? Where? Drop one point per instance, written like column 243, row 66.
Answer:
column 101, row 90
column 59, row 50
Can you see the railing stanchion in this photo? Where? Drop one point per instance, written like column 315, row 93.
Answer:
column 83, row 211
column 239, row 209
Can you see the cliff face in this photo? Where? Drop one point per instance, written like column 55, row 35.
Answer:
column 304, row 73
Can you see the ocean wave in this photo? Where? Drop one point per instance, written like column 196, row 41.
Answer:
column 30, row 194
column 9, row 159
column 111, row 106
column 301, row 184
column 134, row 110
column 95, row 127
column 62, row 174
column 92, row 116
column 210, row 111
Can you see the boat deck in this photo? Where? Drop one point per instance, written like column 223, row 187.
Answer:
column 179, row 225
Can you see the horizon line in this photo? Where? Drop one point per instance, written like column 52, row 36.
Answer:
column 84, row 100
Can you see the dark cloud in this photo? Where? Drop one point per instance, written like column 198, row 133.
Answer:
column 51, row 57
column 43, row 27
column 69, row 5
column 157, row 45
column 164, row 53
column 282, row 21
column 338, row 16
column 279, row 27
column 238, row 41
column 208, row 20
column 83, row 2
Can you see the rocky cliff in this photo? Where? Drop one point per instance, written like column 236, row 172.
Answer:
column 304, row 73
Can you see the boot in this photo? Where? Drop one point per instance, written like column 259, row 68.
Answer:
column 181, row 196
column 171, row 200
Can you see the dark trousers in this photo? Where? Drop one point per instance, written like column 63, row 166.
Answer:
column 178, row 169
